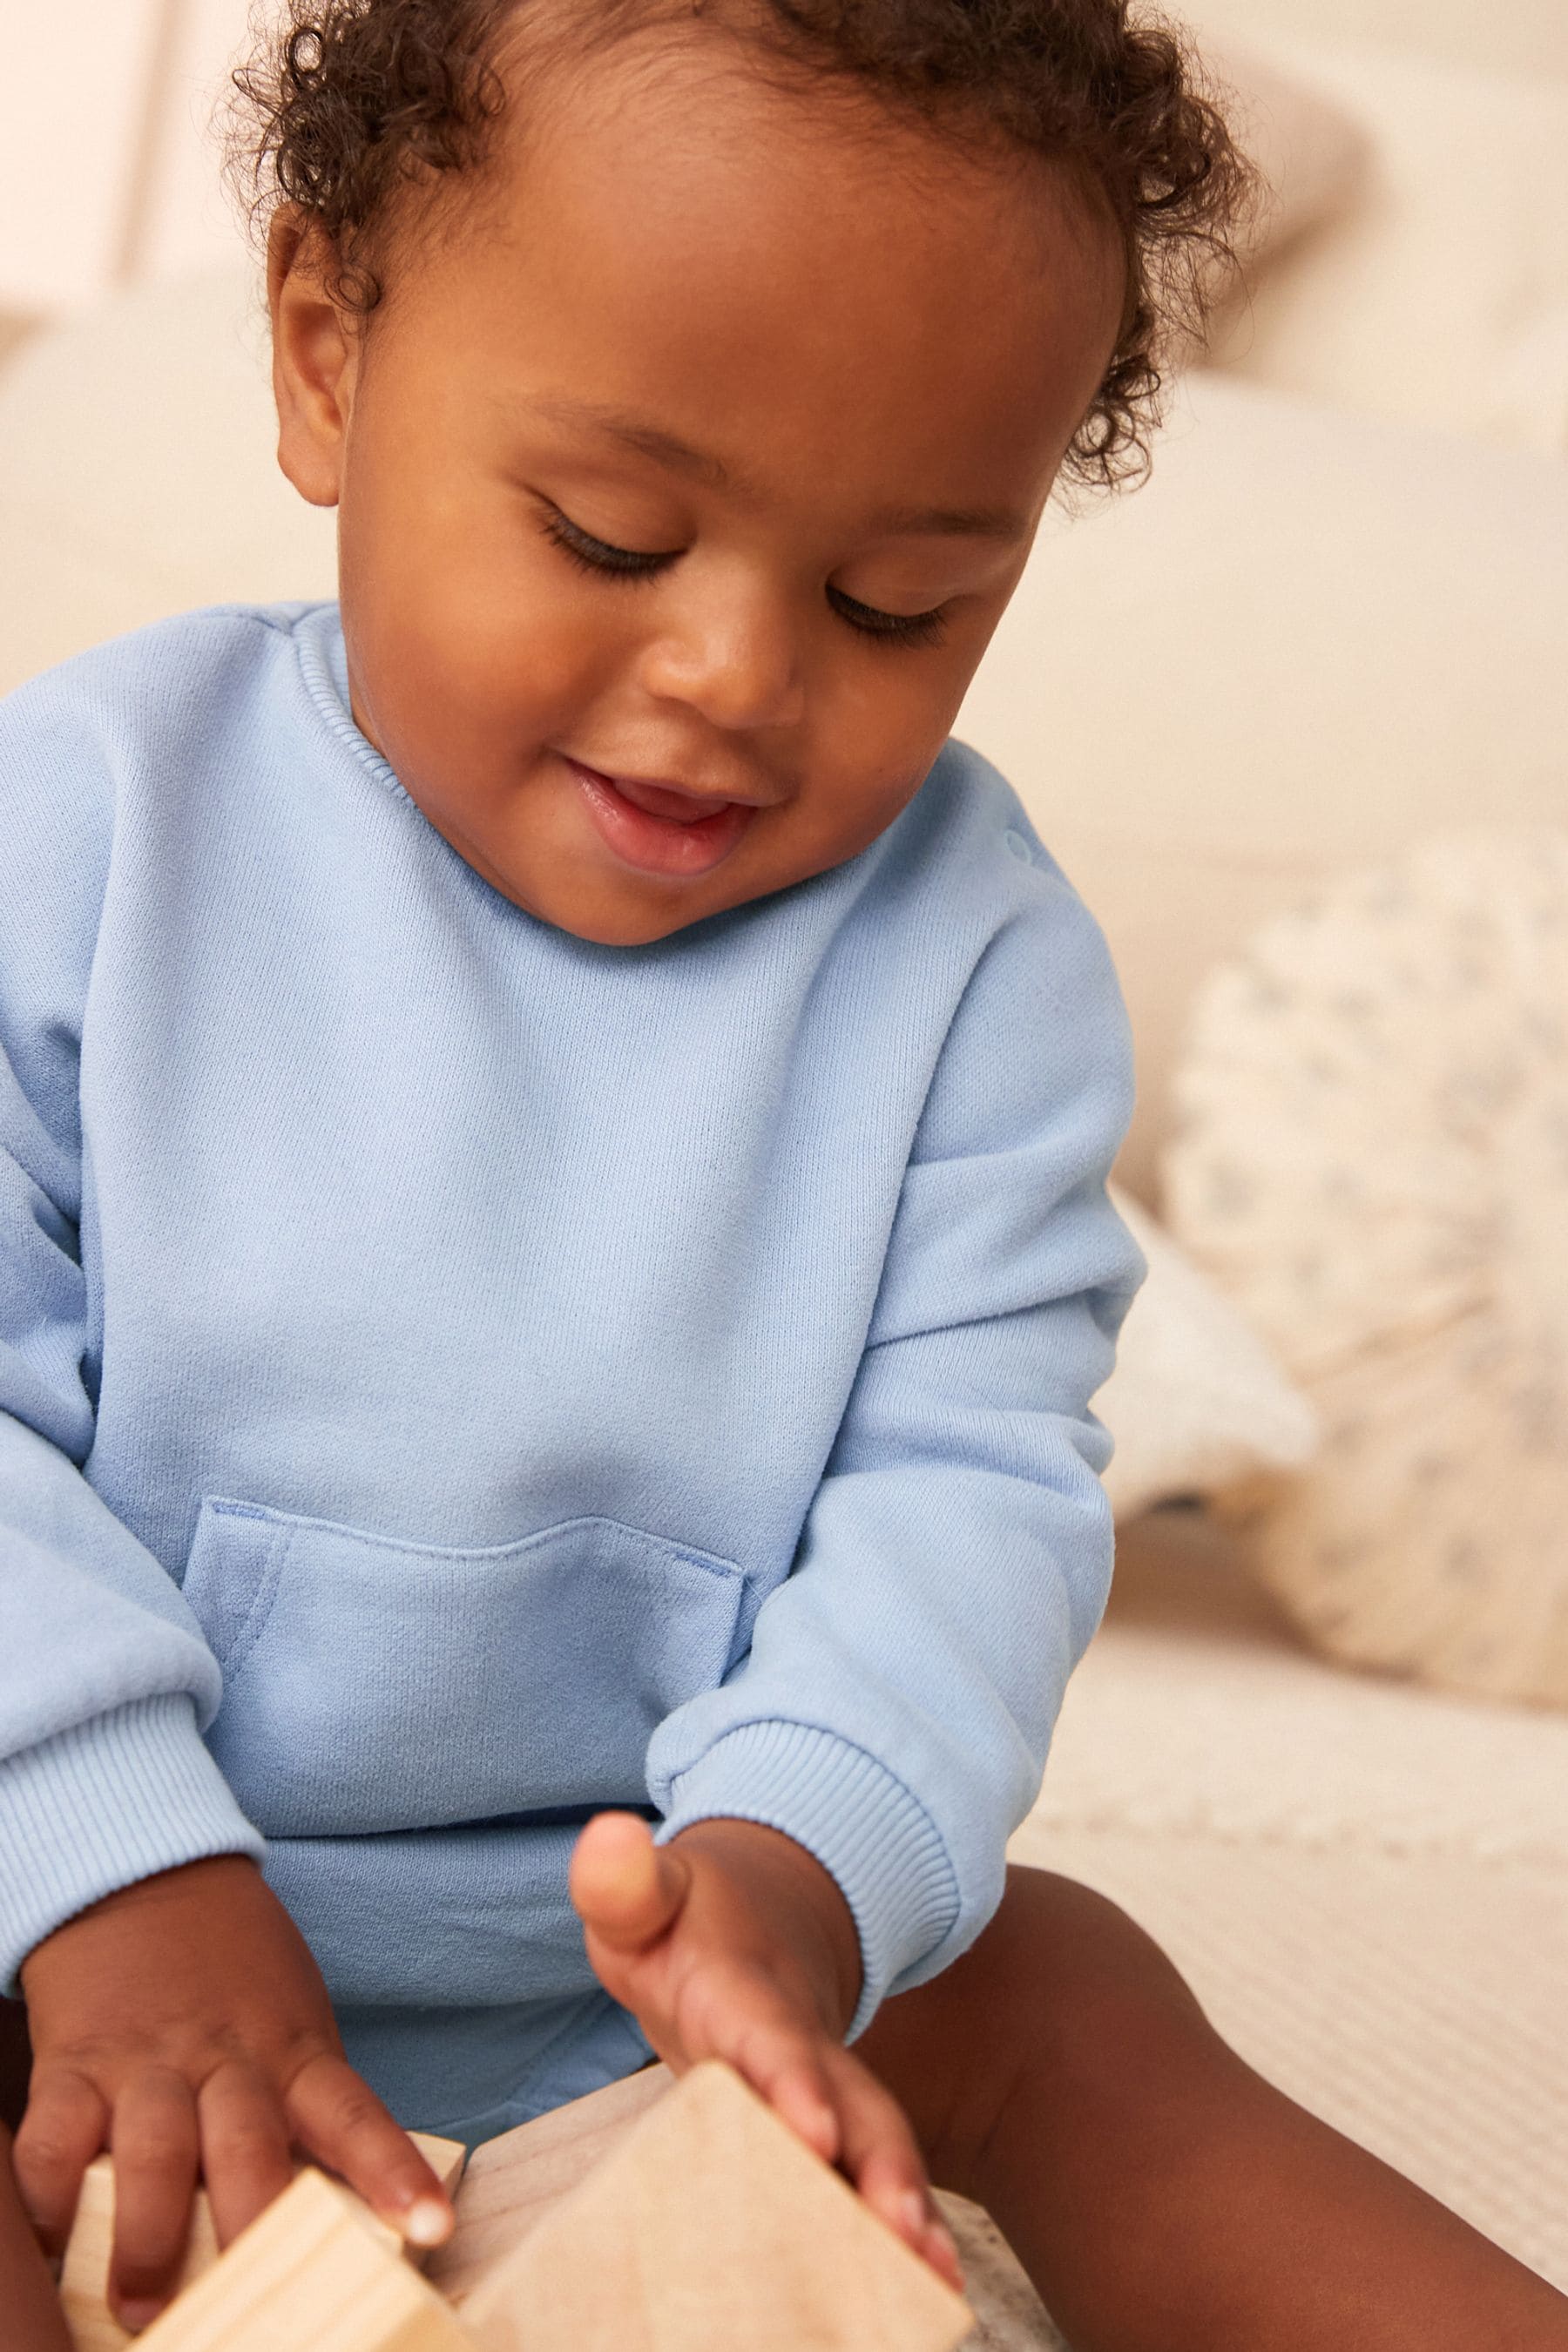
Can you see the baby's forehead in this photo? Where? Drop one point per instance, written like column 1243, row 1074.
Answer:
column 690, row 149
column 815, row 303
column 701, row 77
column 1060, row 137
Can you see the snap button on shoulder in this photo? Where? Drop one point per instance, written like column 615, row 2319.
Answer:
column 1019, row 847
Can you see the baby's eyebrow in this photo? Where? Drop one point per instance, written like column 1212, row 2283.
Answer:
column 666, row 448
column 952, row 522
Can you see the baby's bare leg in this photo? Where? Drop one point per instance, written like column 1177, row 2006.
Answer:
column 1164, row 2197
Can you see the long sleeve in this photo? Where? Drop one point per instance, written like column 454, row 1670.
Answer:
column 105, row 1681
column 894, row 1707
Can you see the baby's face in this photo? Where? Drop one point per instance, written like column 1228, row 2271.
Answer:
column 683, row 475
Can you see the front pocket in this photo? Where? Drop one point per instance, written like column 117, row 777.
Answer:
column 371, row 1684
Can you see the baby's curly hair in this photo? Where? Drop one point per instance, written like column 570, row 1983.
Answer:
column 347, row 103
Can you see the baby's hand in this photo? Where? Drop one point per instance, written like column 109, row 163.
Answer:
column 732, row 1942
column 183, row 2024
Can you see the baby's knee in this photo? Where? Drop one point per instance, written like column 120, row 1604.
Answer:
column 1092, row 2001
column 1080, row 2020
column 1062, row 2016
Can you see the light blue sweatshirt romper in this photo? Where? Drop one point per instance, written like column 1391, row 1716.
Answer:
column 455, row 1377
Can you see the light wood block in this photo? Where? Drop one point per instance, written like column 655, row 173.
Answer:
column 84, row 2276
column 710, row 2227
column 447, row 2159
column 309, row 2275
column 513, row 2181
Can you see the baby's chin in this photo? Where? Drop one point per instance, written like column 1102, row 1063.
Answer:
column 540, row 849
column 631, row 918
column 586, row 889
column 544, row 861
column 605, row 908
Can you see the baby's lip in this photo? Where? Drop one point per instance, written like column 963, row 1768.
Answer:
column 657, row 796
column 661, row 828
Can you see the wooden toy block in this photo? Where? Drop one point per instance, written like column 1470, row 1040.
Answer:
column 309, row 2276
column 84, row 2276
column 711, row 2228
column 513, row 2181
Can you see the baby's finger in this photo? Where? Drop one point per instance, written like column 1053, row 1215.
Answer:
column 882, row 2158
column 245, row 2145
column 626, row 1890
column 783, row 2066
column 34, row 2320
column 66, row 2124
column 342, row 2123
column 156, row 2151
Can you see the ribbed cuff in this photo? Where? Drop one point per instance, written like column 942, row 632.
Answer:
column 848, row 1810
column 95, row 1808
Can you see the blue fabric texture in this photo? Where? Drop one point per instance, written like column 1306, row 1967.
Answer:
column 455, row 1376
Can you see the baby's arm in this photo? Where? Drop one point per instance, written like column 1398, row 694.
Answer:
column 175, row 2014
column 894, row 1710
column 892, row 1718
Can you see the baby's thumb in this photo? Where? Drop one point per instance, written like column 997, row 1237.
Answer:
column 626, row 1890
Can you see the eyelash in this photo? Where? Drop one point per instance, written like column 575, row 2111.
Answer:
column 596, row 555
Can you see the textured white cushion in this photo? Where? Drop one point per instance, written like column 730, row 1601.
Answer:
column 1436, row 294
column 1310, row 153
column 1372, row 1160
column 1526, row 36
column 1309, row 641
column 1196, row 1401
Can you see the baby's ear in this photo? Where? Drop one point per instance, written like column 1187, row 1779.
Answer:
column 315, row 354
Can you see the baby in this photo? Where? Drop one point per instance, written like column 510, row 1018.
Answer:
column 554, row 1242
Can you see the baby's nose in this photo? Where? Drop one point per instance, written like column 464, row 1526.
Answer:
column 737, row 662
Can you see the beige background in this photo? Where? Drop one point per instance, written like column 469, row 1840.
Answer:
column 106, row 166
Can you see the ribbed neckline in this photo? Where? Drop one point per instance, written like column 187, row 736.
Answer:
column 323, row 665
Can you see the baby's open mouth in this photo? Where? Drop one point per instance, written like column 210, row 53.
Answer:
column 666, row 800
column 657, row 828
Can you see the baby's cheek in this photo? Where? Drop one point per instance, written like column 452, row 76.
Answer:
column 866, row 794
